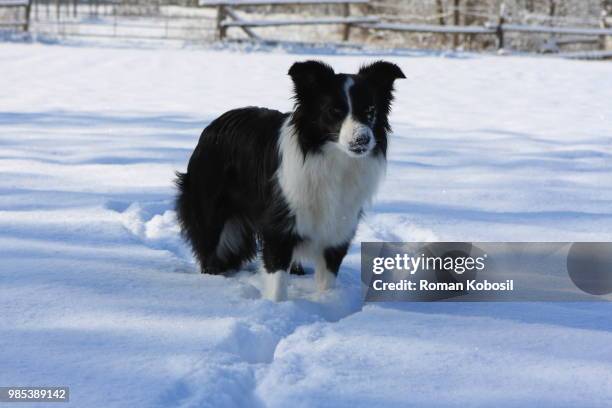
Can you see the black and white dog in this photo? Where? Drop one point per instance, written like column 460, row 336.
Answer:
column 296, row 182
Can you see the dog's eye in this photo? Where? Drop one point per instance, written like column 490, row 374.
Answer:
column 370, row 113
column 337, row 112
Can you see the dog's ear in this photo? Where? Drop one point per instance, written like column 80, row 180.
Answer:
column 381, row 74
column 310, row 75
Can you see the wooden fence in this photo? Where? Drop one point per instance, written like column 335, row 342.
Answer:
column 233, row 14
column 24, row 22
column 227, row 17
column 499, row 30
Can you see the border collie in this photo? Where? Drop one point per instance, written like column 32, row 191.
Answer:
column 293, row 184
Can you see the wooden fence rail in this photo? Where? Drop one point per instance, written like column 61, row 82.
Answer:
column 431, row 28
column 556, row 30
column 238, row 3
column 317, row 21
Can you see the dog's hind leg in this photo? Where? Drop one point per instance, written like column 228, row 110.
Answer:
column 327, row 266
column 202, row 219
column 236, row 244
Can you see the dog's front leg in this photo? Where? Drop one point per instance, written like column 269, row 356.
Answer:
column 327, row 266
column 277, row 253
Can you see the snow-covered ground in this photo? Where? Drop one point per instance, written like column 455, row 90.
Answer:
column 97, row 291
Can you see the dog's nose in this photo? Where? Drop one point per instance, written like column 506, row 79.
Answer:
column 362, row 139
column 361, row 143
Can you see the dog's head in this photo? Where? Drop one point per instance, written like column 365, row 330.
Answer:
column 350, row 110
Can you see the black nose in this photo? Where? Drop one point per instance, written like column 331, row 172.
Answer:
column 362, row 139
column 360, row 144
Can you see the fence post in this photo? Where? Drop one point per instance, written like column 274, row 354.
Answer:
column 347, row 27
column 28, row 9
column 221, row 29
column 500, row 27
column 456, row 22
column 603, row 24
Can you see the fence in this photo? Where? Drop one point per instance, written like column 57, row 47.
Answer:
column 500, row 30
column 111, row 19
column 213, row 18
column 24, row 21
column 227, row 16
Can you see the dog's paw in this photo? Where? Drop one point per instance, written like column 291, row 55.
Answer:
column 211, row 270
column 275, row 286
column 325, row 280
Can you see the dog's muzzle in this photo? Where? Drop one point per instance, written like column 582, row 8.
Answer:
column 356, row 137
column 361, row 144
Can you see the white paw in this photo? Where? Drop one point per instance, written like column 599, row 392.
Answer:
column 275, row 286
column 325, row 280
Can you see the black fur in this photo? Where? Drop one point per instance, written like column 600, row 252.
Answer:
column 228, row 176
column 231, row 174
column 334, row 256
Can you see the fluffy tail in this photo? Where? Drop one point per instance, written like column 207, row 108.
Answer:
column 189, row 213
column 220, row 239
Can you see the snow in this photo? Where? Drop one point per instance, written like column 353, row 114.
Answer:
column 98, row 292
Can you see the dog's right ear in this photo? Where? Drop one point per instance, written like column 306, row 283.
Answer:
column 310, row 75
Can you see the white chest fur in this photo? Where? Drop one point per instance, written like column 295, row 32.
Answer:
column 326, row 191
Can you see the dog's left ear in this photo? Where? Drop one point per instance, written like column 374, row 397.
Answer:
column 382, row 74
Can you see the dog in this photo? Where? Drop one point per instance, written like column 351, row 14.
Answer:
column 291, row 184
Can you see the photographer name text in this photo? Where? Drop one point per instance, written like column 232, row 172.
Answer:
column 425, row 285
